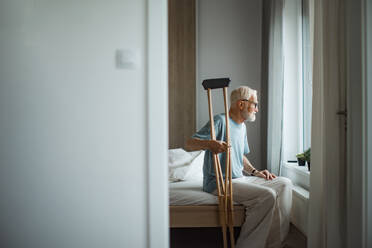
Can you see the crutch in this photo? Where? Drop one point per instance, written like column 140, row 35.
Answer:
column 224, row 188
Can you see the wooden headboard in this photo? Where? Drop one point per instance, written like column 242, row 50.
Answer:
column 182, row 71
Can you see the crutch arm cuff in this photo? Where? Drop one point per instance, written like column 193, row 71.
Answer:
column 216, row 83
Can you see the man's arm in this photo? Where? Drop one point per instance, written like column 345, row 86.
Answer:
column 248, row 167
column 215, row 146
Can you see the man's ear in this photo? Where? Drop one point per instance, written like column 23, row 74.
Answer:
column 240, row 105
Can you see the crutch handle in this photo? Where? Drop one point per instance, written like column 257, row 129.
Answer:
column 216, row 83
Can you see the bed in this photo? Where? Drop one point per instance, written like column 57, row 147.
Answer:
column 190, row 206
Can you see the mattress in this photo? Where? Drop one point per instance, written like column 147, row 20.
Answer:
column 185, row 193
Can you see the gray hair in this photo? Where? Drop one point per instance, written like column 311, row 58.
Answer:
column 243, row 92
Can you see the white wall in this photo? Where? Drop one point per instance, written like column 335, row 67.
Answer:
column 73, row 126
column 292, row 94
column 229, row 45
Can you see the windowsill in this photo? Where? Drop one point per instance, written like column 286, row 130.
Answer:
column 299, row 175
column 302, row 169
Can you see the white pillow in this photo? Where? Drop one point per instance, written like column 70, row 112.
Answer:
column 178, row 157
column 185, row 165
column 195, row 171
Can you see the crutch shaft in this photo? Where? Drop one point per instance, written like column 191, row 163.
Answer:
column 216, row 163
column 228, row 174
column 224, row 187
column 213, row 137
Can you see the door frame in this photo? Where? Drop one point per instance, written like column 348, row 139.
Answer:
column 157, row 122
column 357, row 164
column 368, row 92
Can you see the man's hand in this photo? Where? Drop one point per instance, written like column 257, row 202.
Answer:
column 265, row 174
column 217, row 146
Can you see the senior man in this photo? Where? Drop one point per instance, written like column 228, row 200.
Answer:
column 267, row 198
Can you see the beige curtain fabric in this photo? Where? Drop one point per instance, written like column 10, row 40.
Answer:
column 327, row 205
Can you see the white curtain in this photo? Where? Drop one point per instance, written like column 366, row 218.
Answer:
column 273, row 24
column 327, row 205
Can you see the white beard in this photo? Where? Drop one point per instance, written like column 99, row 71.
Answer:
column 251, row 117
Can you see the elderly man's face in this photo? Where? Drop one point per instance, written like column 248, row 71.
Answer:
column 250, row 109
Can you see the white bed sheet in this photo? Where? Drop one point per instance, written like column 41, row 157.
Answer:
column 190, row 193
column 186, row 193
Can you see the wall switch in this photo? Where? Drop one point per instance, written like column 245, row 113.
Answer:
column 126, row 59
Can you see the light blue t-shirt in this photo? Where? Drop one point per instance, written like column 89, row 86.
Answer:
column 239, row 147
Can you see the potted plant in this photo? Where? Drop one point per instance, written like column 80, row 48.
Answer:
column 301, row 159
column 304, row 157
column 307, row 154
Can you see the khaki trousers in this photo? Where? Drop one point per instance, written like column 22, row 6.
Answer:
column 268, row 205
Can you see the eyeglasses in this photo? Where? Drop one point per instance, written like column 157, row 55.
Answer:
column 247, row 100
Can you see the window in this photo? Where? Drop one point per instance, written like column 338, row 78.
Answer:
column 307, row 81
column 297, row 92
